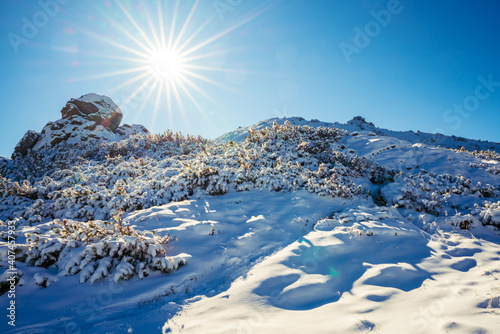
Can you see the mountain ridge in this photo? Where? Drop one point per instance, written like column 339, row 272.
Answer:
column 359, row 123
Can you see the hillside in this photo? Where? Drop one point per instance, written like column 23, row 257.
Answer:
column 360, row 124
column 285, row 226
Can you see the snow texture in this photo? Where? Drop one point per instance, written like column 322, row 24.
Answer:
column 287, row 226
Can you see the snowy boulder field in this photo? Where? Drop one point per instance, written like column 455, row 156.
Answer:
column 288, row 226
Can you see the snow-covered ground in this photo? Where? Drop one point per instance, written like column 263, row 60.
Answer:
column 225, row 237
column 366, row 270
column 273, row 262
column 295, row 229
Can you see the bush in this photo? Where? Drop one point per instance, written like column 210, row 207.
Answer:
column 92, row 180
column 97, row 249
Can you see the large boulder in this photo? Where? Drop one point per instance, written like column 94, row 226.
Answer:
column 89, row 117
column 97, row 108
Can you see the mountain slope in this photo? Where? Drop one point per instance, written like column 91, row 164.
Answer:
column 359, row 124
column 290, row 226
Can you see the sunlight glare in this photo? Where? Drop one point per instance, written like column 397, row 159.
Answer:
column 166, row 65
column 167, row 54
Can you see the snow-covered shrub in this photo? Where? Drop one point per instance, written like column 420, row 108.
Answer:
column 428, row 192
column 487, row 155
column 464, row 222
column 44, row 279
column 378, row 174
column 92, row 180
column 9, row 279
column 9, row 188
column 97, row 249
column 489, row 168
column 488, row 213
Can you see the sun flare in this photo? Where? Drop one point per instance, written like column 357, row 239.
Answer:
column 165, row 54
column 165, row 65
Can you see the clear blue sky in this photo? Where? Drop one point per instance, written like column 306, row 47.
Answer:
column 289, row 58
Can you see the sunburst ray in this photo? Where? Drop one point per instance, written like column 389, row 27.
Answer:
column 134, row 23
column 166, row 57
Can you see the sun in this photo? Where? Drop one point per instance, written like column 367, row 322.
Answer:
column 164, row 51
column 166, row 65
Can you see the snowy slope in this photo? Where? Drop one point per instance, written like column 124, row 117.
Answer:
column 300, row 227
column 360, row 124
column 225, row 235
column 370, row 270
column 268, row 262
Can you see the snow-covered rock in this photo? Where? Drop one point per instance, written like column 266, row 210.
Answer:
column 127, row 130
column 90, row 117
column 361, row 123
column 28, row 141
column 97, row 108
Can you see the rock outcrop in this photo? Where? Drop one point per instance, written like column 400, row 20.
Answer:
column 361, row 123
column 29, row 140
column 89, row 117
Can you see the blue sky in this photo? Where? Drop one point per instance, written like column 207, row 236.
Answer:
column 404, row 65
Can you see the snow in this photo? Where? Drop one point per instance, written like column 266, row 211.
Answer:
column 382, row 274
column 105, row 102
column 213, row 257
column 358, row 125
column 297, row 228
column 277, row 263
